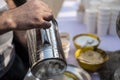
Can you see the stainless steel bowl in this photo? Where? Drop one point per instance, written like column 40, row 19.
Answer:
column 72, row 73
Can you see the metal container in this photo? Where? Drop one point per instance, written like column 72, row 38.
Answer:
column 72, row 73
column 45, row 52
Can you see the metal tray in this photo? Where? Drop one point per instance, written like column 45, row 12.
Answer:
column 72, row 73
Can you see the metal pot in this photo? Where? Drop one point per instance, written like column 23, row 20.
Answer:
column 45, row 52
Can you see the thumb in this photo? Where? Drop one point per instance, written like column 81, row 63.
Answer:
column 28, row 0
column 11, row 4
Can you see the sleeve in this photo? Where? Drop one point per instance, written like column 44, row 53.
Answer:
column 3, row 5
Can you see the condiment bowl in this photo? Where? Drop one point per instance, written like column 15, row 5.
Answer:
column 90, row 66
column 79, row 44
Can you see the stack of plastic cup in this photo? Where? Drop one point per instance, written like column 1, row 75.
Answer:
column 80, row 12
column 95, row 4
column 103, row 23
column 115, row 12
column 91, row 20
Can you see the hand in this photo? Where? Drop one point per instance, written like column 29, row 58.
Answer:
column 32, row 14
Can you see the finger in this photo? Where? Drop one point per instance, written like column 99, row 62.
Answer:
column 28, row 0
column 48, row 18
column 44, row 25
column 11, row 4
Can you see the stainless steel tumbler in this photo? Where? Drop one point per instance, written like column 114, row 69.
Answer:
column 45, row 52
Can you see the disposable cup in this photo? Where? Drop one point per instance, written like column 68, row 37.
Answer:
column 112, row 30
column 102, row 29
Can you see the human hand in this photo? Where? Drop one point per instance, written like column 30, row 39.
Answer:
column 32, row 14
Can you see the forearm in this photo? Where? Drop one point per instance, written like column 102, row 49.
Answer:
column 5, row 19
column 19, row 35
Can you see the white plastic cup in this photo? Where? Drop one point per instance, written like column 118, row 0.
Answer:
column 91, row 20
column 115, row 11
column 103, row 23
column 106, row 18
column 102, row 29
column 91, row 28
column 112, row 29
column 104, row 9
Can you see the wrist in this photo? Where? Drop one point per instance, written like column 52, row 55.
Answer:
column 8, row 21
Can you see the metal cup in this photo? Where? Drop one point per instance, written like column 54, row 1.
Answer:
column 45, row 52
